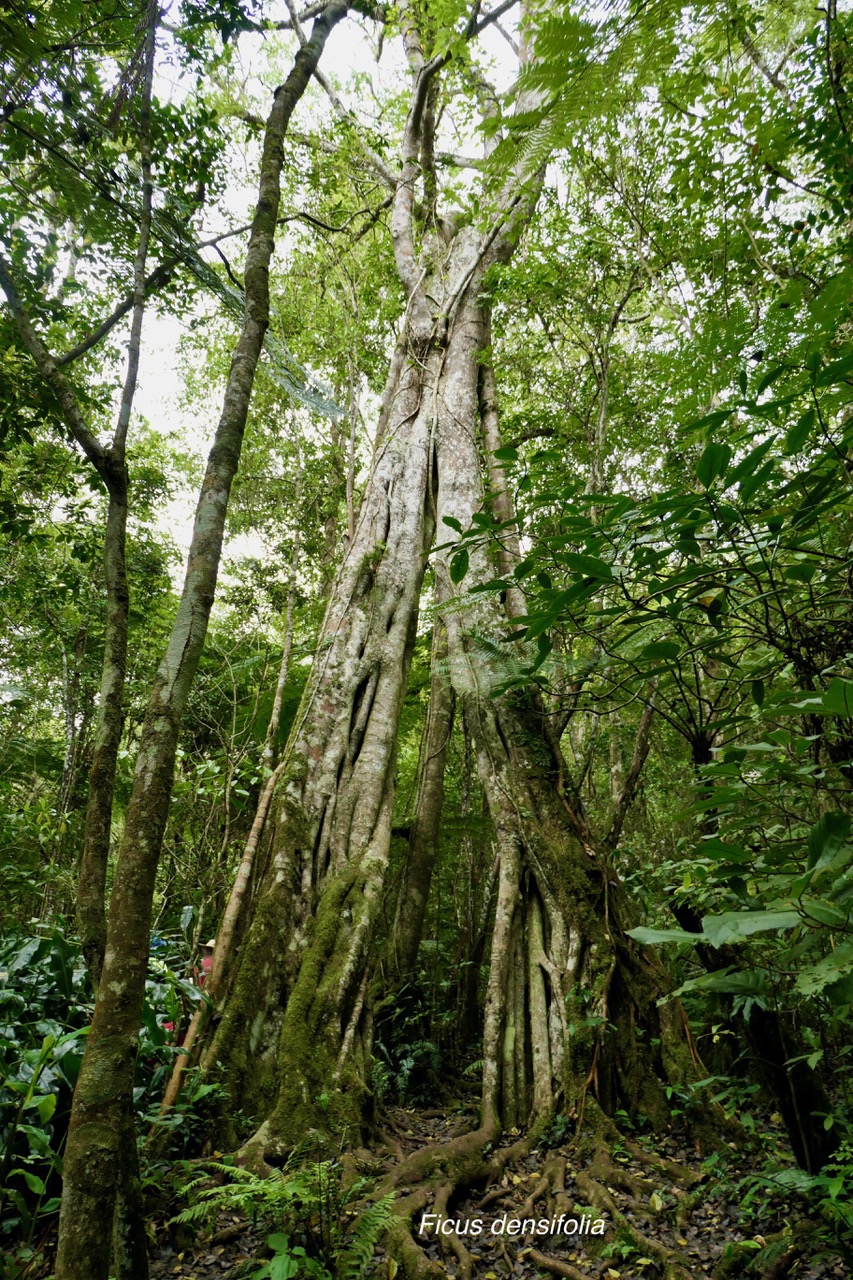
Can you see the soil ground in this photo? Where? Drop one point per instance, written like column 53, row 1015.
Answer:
column 698, row 1223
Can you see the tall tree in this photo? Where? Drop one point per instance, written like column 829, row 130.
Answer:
column 103, row 1096
column 561, row 916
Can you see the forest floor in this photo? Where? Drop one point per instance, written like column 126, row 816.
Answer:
column 696, row 1222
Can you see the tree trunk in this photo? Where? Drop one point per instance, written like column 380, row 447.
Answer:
column 310, row 949
column 567, row 989
column 235, row 910
column 92, row 878
column 426, row 819
column 104, row 1088
column 302, row 966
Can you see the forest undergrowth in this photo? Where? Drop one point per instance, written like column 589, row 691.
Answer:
column 666, row 1209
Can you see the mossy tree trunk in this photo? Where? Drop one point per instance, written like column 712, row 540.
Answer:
column 306, row 969
column 330, row 823
column 297, row 1024
column 571, row 1007
column 571, row 1004
column 102, row 1100
column 425, row 830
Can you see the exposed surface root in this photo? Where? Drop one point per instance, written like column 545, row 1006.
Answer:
column 662, row 1218
column 556, row 1266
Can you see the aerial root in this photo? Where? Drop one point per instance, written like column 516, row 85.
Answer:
column 606, row 1170
column 440, row 1168
column 403, row 1246
column 671, row 1169
column 392, row 1144
column 552, row 1178
column 436, row 1172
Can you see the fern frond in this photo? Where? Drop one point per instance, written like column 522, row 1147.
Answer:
column 352, row 1262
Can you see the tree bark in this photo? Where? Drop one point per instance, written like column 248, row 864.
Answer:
column 567, row 988
column 300, row 971
column 310, row 950
column 104, row 1087
column 426, row 819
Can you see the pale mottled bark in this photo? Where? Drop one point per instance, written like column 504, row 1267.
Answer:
column 426, row 818
column 331, row 820
column 104, row 1087
column 558, row 939
column 309, row 952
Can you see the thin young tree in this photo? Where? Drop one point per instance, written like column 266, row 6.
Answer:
column 110, row 462
column 103, row 1096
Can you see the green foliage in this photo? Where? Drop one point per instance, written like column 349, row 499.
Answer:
column 45, row 1010
column 825, row 1197
column 44, row 1013
column 318, row 1230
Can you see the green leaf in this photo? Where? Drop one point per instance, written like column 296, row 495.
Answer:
column 734, row 926
column 769, row 378
column 838, row 699
column 714, row 419
column 452, row 522
column 459, row 565
column 817, row 977
column 800, row 572
column 751, row 484
column 33, row 1182
column 826, row 839
column 506, row 453
column 589, row 566
column 799, row 432
column 838, row 371
column 757, row 688
column 719, row 851
column 660, row 649
column 283, row 1267
column 746, row 982
column 816, row 910
column 831, row 302
column 543, row 645
column 713, row 462
column 653, row 937
column 750, row 463
column 46, row 1107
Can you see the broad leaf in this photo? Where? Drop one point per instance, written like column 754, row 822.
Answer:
column 734, row 926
